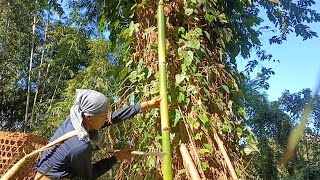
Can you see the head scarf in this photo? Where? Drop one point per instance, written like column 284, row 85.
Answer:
column 88, row 103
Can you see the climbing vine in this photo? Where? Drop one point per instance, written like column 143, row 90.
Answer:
column 202, row 83
column 203, row 39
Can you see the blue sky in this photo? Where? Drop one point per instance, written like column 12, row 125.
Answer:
column 299, row 65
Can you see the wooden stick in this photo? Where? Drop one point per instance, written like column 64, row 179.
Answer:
column 188, row 163
column 225, row 156
column 25, row 159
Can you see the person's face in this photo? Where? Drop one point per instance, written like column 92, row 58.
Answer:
column 96, row 122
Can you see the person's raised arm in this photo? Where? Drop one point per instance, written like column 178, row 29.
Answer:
column 129, row 112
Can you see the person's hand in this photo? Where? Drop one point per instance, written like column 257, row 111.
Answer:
column 123, row 154
column 153, row 103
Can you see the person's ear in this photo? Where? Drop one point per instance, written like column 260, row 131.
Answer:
column 90, row 120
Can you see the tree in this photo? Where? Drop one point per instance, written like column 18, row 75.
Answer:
column 59, row 58
column 271, row 123
column 204, row 37
column 15, row 32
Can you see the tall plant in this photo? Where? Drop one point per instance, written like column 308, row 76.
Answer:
column 204, row 37
column 165, row 123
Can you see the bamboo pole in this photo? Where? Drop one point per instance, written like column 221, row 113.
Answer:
column 165, row 125
column 29, row 71
column 27, row 157
column 39, row 74
column 225, row 156
column 188, row 163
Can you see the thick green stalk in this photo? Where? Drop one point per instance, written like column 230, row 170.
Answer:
column 165, row 125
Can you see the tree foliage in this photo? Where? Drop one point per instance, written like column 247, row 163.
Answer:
column 271, row 123
column 208, row 97
column 203, row 39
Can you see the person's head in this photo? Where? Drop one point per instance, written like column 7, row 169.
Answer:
column 94, row 122
column 94, row 107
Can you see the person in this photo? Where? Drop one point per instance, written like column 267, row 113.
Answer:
column 72, row 158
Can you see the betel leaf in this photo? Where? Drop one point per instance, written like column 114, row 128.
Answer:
column 195, row 44
column 203, row 151
column 179, row 78
column 196, row 32
column 204, row 165
column 196, row 125
column 188, row 11
column 177, row 117
column 151, row 161
column 209, row 147
column 198, row 136
column 226, row 88
column 181, row 97
column 204, row 119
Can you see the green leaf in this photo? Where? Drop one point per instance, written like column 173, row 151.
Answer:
column 204, row 119
column 151, row 161
column 239, row 131
column 195, row 44
column 133, row 6
column 149, row 72
column 111, row 72
column 181, row 97
column 247, row 150
column 226, row 88
column 152, row 46
column 188, row 58
column 204, row 165
column 203, row 151
column 133, row 76
column 129, row 63
column 255, row 40
column 209, row 147
column 179, row 78
column 146, row 134
column 196, row 125
column 186, row 36
column 158, row 137
column 182, row 30
column 234, row 51
column 191, row 89
column 198, row 136
column 196, row 32
column 228, row 128
column 210, row 17
column 207, row 35
column 177, row 117
column 133, row 27
column 222, row 17
column 201, row 1
column 182, row 171
column 188, row 11
column 155, row 90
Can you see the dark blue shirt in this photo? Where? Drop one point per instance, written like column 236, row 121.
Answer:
column 72, row 158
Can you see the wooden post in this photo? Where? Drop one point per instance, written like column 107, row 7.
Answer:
column 188, row 163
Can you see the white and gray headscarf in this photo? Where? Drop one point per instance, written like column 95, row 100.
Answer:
column 88, row 103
